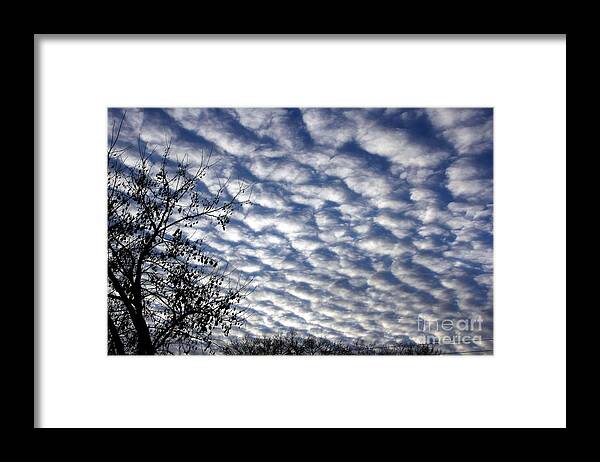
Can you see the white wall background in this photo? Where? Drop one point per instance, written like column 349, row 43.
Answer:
column 523, row 384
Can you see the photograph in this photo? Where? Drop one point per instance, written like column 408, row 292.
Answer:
column 300, row 231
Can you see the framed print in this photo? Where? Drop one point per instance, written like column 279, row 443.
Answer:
column 299, row 231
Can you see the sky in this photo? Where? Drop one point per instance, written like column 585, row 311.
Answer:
column 363, row 220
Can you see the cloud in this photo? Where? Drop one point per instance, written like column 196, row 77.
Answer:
column 468, row 179
column 362, row 219
column 468, row 130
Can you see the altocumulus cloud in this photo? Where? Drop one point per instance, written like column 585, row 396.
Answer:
column 363, row 219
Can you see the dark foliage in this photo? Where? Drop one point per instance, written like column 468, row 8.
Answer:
column 166, row 294
column 292, row 344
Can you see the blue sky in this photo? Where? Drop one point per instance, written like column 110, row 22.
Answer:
column 362, row 219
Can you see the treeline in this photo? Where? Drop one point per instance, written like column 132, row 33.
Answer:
column 293, row 344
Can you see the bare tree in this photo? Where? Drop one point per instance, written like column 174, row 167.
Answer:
column 165, row 293
column 293, row 344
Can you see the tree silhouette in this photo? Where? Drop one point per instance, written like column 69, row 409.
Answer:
column 166, row 295
column 291, row 343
